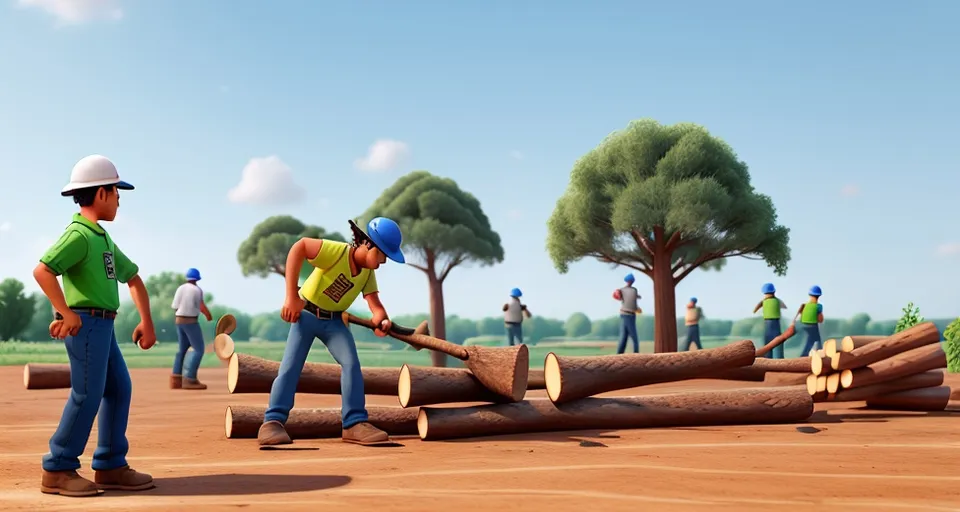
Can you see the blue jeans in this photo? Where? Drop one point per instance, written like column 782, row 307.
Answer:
column 99, row 381
column 514, row 331
column 813, row 337
column 771, row 329
column 693, row 336
column 339, row 341
column 189, row 336
column 628, row 327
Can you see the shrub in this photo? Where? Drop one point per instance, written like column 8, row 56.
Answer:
column 911, row 316
column 952, row 347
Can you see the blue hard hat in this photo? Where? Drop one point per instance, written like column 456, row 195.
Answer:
column 193, row 274
column 768, row 288
column 693, row 300
column 385, row 234
column 816, row 291
column 516, row 292
column 628, row 278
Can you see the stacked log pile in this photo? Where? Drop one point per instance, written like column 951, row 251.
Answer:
column 904, row 371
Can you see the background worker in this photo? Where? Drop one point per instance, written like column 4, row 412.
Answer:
column 811, row 316
column 692, row 321
column 771, row 318
column 188, row 301
column 513, row 313
column 628, row 297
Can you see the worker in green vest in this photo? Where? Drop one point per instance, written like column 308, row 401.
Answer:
column 811, row 316
column 771, row 318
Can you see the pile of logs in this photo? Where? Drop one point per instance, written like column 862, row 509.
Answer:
column 903, row 371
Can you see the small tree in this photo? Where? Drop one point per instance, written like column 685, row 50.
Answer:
column 443, row 227
column 577, row 325
column 264, row 252
column 952, row 336
column 16, row 309
column 911, row 316
column 664, row 201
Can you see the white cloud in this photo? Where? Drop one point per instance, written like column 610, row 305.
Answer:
column 383, row 155
column 266, row 181
column 516, row 155
column 850, row 191
column 949, row 249
column 5, row 226
column 74, row 12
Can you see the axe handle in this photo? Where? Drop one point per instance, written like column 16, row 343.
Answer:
column 418, row 341
column 762, row 351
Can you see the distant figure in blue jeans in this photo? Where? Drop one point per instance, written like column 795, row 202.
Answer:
column 628, row 297
column 513, row 313
column 188, row 301
column 811, row 316
column 771, row 318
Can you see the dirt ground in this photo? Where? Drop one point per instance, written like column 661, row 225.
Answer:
column 842, row 459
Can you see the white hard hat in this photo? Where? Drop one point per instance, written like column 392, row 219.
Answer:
column 94, row 171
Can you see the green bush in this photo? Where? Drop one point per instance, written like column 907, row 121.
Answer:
column 911, row 316
column 952, row 335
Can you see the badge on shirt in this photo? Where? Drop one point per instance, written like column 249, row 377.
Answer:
column 338, row 288
column 109, row 266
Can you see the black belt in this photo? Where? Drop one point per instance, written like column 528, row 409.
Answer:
column 318, row 312
column 94, row 312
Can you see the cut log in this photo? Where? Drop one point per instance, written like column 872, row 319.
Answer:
column 252, row 374
column 919, row 335
column 223, row 346
column 833, row 383
column 789, row 333
column 830, row 347
column 46, row 376
column 927, row 379
column 820, row 396
column 923, row 399
column 535, row 380
column 745, row 373
column 821, row 383
column 428, row 385
column 756, row 371
column 819, row 363
column 569, row 378
column 921, row 359
column 812, row 384
column 243, row 421
column 785, row 379
column 850, row 343
column 731, row 407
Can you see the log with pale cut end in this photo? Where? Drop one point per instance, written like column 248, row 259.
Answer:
column 729, row 407
column 243, row 421
column 223, row 346
column 850, row 343
column 833, row 383
column 923, row 399
column 932, row 378
column 819, row 363
column 921, row 359
column 572, row 377
column 226, row 325
column 761, row 366
column 252, row 374
column 830, row 347
column 821, row 383
column 820, row 396
column 46, row 376
column 919, row 335
column 428, row 385
column 811, row 384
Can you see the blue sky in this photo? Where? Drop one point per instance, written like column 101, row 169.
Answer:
column 847, row 114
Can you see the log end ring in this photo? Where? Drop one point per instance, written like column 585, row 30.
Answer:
column 551, row 376
column 228, row 422
column 404, row 386
column 233, row 373
column 26, row 376
column 223, row 346
column 423, row 423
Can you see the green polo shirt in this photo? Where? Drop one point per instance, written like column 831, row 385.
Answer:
column 91, row 264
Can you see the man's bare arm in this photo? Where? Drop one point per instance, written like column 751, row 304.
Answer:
column 141, row 299
column 301, row 251
column 51, row 287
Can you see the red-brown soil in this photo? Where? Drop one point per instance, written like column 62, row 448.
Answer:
column 844, row 458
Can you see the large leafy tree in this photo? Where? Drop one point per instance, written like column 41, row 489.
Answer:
column 664, row 201
column 443, row 227
column 264, row 252
column 16, row 309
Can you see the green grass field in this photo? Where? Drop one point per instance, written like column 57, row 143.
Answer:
column 371, row 354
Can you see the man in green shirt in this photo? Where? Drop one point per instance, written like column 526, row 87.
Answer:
column 811, row 316
column 771, row 306
column 91, row 265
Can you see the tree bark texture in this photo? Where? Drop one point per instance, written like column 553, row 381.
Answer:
column 922, row 399
column 918, row 360
column 757, row 371
column 664, row 302
column 919, row 335
column 243, row 421
column 734, row 407
column 932, row 378
column 850, row 343
column 46, row 376
column 571, row 378
column 419, row 385
column 252, row 374
column 438, row 318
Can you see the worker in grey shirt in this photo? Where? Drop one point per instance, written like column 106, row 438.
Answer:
column 628, row 297
column 513, row 313
column 692, row 321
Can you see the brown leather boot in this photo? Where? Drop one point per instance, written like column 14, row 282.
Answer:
column 365, row 434
column 272, row 433
column 189, row 383
column 176, row 382
column 123, row 479
column 67, row 483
